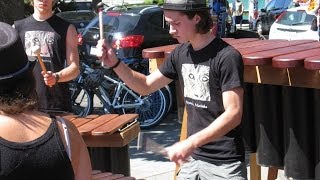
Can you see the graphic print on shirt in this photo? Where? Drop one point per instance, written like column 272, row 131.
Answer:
column 43, row 39
column 196, row 82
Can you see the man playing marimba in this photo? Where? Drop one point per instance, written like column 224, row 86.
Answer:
column 211, row 74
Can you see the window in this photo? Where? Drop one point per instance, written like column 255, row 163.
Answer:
column 156, row 19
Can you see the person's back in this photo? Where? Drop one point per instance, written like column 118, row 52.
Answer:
column 237, row 8
column 26, row 157
column 33, row 145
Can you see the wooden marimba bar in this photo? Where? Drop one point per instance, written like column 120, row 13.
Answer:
column 281, row 103
column 107, row 137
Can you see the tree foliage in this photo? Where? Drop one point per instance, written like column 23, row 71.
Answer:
column 11, row 10
column 154, row 1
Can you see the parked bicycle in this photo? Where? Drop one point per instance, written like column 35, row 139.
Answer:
column 116, row 97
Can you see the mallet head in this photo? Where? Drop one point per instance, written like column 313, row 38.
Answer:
column 36, row 49
column 100, row 5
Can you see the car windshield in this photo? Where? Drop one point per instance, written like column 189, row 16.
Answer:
column 116, row 22
column 295, row 18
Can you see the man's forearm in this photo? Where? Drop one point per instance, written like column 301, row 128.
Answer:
column 69, row 73
column 135, row 80
column 221, row 126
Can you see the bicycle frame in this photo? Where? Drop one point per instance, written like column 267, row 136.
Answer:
column 116, row 97
column 102, row 94
column 120, row 87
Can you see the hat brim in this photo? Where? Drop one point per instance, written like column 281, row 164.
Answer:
column 18, row 74
column 185, row 7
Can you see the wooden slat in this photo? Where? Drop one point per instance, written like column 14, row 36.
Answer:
column 275, row 45
column 116, row 123
column 183, row 134
column 257, row 43
column 117, row 139
column 240, row 41
column 265, row 57
column 255, row 169
column 81, row 121
column 92, row 116
column 294, row 59
column 157, row 52
column 312, row 63
column 86, row 128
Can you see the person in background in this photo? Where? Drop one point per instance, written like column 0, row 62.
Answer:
column 57, row 41
column 220, row 12
column 33, row 145
column 210, row 72
column 237, row 12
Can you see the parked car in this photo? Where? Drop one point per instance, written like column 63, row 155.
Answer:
column 80, row 19
column 269, row 14
column 129, row 30
column 295, row 24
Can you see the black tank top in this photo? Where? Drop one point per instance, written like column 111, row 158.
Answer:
column 50, row 35
column 44, row 158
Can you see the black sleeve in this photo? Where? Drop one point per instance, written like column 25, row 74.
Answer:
column 231, row 69
column 168, row 68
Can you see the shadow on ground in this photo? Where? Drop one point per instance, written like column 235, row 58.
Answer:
column 162, row 135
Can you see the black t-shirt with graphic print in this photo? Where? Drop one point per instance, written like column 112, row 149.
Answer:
column 50, row 36
column 204, row 75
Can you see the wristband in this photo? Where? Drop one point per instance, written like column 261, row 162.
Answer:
column 56, row 75
column 116, row 65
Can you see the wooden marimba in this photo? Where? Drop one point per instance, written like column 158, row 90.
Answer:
column 281, row 103
column 107, row 137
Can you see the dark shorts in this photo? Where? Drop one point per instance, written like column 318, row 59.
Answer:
column 238, row 19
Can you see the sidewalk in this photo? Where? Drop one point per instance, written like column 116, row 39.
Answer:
column 147, row 165
column 150, row 166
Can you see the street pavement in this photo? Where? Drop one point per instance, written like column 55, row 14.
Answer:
column 149, row 165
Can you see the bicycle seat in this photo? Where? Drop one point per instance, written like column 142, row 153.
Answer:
column 94, row 79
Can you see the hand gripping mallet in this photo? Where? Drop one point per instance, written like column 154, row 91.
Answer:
column 100, row 6
column 36, row 50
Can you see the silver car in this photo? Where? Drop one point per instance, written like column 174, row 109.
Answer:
column 294, row 24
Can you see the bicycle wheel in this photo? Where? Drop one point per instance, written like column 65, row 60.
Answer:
column 81, row 99
column 168, row 96
column 152, row 110
column 142, row 66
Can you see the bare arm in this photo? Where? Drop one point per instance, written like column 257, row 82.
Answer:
column 72, row 55
column 138, row 82
column 72, row 70
column 231, row 118
column 242, row 9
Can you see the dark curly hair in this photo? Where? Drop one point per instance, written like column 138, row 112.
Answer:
column 18, row 95
column 205, row 24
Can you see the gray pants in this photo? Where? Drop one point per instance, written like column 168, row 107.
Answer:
column 200, row 170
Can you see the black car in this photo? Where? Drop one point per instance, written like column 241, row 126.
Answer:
column 129, row 30
column 80, row 19
column 269, row 14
